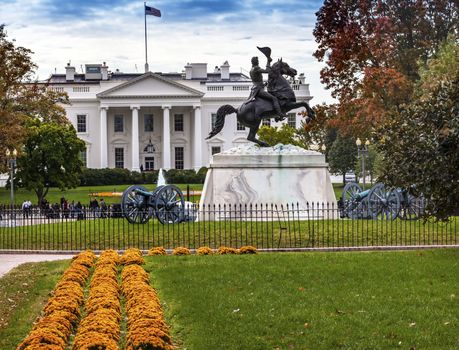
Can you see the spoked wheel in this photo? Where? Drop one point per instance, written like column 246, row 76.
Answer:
column 134, row 205
column 169, row 204
column 382, row 204
column 412, row 207
column 352, row 203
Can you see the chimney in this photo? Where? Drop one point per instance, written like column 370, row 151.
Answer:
column 302, row 78
column 188, row 71
column 224, row 69
column 69, row 72
column 196, row 71
column 104, row 71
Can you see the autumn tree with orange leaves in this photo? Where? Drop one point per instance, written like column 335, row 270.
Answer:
column 372, row 50
column 22, row 99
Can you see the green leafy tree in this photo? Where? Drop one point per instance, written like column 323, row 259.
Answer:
column 272, row 135
column 21, row 98
column 50, row 157
column 420, row 144
column 342, row 155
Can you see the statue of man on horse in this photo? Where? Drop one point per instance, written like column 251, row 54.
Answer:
column 262, row 104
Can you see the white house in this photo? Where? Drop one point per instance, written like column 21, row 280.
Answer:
column 156, row 120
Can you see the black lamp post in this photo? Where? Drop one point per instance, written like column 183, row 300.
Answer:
column 362, row 153
column 11, row 157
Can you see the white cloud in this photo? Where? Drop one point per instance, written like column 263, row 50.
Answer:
column 117, row 37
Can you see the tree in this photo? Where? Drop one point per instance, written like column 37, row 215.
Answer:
column 420, row 144
column 372, row 50
column 342, row 155
column 50, row 157
column 21, row 98
column 272, row 135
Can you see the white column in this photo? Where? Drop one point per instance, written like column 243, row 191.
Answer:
column 135, row 139
column 103, row 137
column 166, row 138
column 197, row 142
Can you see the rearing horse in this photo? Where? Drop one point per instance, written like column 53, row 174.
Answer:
column 252, row 111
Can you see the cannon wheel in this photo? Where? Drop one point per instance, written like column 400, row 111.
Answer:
column 412, row 207
column 352, row 206
column 169, row 204
column 382, row 204
column 134, row 206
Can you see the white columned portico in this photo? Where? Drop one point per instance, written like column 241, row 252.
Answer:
column 197, row 138
column 135, row 139
column 166, row 138
column 103, row 137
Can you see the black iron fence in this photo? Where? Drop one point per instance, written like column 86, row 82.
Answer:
column 263, row 226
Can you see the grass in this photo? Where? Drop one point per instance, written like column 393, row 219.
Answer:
column 81, row 193
column 119, row 234
column 378, row 300
column 23, row 293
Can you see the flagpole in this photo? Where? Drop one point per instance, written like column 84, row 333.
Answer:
column 146, row 47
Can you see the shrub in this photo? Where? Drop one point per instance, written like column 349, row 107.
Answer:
column 132, row 256
column 226, row 250
column 176, row 176
column 181, row 251
column 204, row 251
column 100, row 177
column 157, row 251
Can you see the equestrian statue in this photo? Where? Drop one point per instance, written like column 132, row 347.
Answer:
column 261, row 104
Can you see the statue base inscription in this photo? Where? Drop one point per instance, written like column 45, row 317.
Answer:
column 279, row 175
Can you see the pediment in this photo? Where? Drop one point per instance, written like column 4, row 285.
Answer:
column 150, row 85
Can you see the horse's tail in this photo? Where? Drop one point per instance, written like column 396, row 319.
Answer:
column 220, row 122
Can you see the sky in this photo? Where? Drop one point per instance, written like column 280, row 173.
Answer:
column 209, row 31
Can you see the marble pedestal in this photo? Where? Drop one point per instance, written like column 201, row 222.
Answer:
column 279, row 175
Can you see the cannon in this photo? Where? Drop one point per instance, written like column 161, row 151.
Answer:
column 167, row 203
column 378, row 203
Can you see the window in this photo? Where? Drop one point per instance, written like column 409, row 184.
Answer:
column 266, row 122
column 179, row 158
column 119, row 123
column 81, row 123
column 213, row 120
column 84, row 158
column 92, row 69
column 178, row 122
column 239, row 126
column 292, row 120
column 148, row 122
column 119, row 158
column 149, row 163
column 216, row 149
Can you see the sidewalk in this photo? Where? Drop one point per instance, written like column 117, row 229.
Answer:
column 10, row 261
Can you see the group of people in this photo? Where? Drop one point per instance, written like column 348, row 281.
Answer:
column 98, row 208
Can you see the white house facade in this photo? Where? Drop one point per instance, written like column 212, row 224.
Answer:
column 156, row 120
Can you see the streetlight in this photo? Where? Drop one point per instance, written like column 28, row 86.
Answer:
column 11, row 157
column 362, row 153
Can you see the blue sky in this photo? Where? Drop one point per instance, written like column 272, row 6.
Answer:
column 93, row 31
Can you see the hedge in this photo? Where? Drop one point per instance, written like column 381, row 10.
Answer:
column 101, row 177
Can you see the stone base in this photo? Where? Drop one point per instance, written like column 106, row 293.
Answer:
column 278, row 175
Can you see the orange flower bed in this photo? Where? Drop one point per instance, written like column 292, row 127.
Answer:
column 100, row 328
column 204, row 251
column 132, row 256
column 60, row 315
column 248, row 249
column 181, row 251
column 227, row 250
column 157, row 251
column 146, row 326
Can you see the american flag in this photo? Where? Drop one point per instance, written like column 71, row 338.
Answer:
column 152, row 11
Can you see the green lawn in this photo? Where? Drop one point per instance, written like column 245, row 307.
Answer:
column 81, row 193
column 375, row 300
column 102, row 234
column 378, row 300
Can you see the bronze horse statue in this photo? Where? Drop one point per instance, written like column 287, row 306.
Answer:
column 252, row 111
